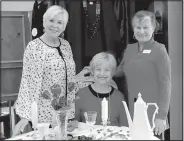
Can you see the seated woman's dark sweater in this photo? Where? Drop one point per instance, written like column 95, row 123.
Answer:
column 89, row 100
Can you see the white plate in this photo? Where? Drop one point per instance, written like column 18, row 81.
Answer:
column 153, row 138
column 83, row 129
column 114, row 138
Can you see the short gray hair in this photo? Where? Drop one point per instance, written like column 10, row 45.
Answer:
column 104, row 57
column 141, row 15
column 54, row 10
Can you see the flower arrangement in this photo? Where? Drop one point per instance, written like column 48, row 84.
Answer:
column 58, row 101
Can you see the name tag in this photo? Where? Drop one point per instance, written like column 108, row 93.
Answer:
column 146, row 51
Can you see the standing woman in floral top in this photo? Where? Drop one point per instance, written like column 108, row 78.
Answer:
column 48, row 62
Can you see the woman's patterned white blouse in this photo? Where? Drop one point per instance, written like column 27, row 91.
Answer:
column 42, row 68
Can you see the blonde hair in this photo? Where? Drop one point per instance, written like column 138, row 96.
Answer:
column 101, row 58
column 141, row 15
column 54, row 10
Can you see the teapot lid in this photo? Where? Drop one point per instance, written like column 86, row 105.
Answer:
column 139, row 99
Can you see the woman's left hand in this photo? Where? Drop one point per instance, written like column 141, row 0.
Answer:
column 160, row 126
column 81, row 75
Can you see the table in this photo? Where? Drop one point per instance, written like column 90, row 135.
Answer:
column 100, row 133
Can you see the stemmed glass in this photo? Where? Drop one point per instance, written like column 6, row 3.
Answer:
column 90, row 118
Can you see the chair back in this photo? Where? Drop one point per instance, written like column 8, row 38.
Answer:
column 7, row 109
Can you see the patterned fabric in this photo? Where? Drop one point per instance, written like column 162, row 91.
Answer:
column 42, row 68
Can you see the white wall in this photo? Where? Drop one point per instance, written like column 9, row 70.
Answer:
column 17, row 5
column 175, row 51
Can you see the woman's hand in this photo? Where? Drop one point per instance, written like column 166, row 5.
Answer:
column 72, row 125
column 160, row 126
column 19, row 127
column 80, row 76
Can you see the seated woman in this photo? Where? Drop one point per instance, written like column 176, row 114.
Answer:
column 103, row 67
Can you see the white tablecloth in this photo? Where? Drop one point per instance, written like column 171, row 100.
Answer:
column 100, row 132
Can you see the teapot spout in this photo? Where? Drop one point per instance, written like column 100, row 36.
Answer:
column 127, row 114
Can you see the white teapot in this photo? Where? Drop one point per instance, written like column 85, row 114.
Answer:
column 140, row 128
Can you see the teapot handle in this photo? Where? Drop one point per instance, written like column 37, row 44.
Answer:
column 156, row 112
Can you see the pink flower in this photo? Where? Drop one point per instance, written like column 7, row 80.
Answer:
column 55, row 90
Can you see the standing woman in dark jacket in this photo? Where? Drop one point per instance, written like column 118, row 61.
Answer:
column 147, row 68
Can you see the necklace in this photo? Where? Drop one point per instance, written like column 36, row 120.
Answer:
column 93, row 27
column 109, row 113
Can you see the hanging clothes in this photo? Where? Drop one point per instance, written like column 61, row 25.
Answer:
column 94, row 42
column 61, row 3
column 109, row 36
column 37, row 17
column 121, row 10
column 122, row 13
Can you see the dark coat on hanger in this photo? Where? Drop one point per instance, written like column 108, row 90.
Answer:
column 76, row 24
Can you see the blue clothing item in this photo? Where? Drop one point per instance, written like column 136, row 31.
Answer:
column 89, row 100
column 148, row 72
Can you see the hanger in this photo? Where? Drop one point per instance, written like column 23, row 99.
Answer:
column 40, row 2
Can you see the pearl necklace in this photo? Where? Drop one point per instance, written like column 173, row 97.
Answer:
column 108, row 120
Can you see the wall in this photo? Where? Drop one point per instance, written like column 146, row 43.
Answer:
column 17, row 5
column 175, row 51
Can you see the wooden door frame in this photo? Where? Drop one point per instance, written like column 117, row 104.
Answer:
column 14, row 64
column 26, row 36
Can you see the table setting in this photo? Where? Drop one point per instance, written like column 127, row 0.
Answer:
column 76, row 130
column 139, row 128
column 82, row 132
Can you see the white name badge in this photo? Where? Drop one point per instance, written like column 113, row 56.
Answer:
column 146, row 51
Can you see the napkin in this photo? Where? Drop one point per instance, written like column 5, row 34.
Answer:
column 83, row 129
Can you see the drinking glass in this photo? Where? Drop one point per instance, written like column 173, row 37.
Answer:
column 62, row 121
column 43, row 129
column 90, row 118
